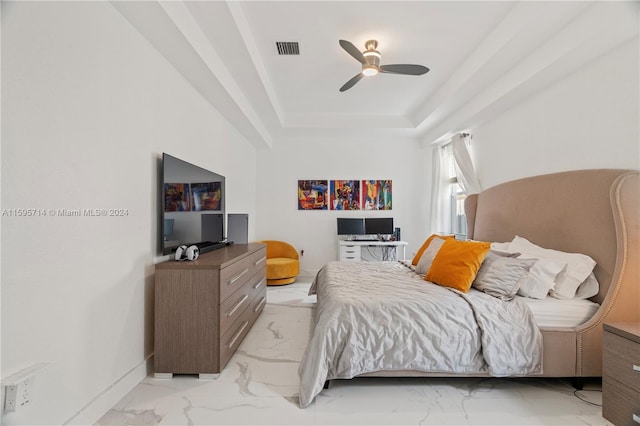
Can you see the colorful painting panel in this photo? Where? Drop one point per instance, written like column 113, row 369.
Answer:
column 177, row 197
column 377, row 194
column 313, row 194
column 206, row 196
column 345, row 195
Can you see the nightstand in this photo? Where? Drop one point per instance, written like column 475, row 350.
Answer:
column 621, row 373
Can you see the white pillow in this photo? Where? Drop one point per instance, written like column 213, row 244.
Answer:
column 429, row 254
column 589, row 288
column 500, row 246
column 579, row 266
column 541, row 278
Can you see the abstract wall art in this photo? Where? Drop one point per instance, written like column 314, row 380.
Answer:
column 313, row 195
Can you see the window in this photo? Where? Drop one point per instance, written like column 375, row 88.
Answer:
column 453, row 177
column 458, row 220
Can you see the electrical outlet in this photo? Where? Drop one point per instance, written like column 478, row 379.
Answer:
column 19, row 395
column 10, row 394
column 25, row 391
column 19, row 388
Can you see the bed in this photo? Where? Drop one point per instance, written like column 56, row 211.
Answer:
column 384, row 319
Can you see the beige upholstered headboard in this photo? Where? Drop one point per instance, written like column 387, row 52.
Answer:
column 594, row 212
column 568, row 211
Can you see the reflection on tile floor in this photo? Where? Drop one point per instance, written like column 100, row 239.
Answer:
column 259, row 386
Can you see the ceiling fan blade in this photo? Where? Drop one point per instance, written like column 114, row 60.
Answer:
column 349, row 84
column 407, row 69
column 353, row 51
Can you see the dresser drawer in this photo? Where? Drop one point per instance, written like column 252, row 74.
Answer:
column 350, row 259
column 259, row 303
column 234, row 276
column 350, row 253
column 259, row 259
column 259, row 296
column 237, row 274
column 259, row 287
column 233, row 306
column 350, row 250
column 619, row 402
column 232, row 338
column 621, row 359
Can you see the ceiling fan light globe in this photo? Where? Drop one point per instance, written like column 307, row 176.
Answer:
column 369, row 71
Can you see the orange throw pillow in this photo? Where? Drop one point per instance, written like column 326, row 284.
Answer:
column 424, row 246
column 457, row 263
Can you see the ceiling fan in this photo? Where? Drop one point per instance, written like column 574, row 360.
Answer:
column 370, row 60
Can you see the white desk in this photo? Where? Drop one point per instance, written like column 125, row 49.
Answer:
column 351, row 250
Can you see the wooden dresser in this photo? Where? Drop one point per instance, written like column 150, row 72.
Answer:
column 205, row 308
column 621, row 373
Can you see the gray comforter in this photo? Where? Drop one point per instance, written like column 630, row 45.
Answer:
column 374, row 316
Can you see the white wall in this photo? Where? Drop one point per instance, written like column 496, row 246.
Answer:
column 88, row 106
column 314, row 232
column 590, row 119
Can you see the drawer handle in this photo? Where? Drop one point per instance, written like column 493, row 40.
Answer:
column 259, row 261
column 237, row 277
column 235, row 308
column 636, row 368
column 636, row 418
column 237, row 335
column 264, row 299
column 257, row 286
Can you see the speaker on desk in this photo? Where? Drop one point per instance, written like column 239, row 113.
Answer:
column 396, row 234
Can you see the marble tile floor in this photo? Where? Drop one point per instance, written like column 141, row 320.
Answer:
column 259, row 386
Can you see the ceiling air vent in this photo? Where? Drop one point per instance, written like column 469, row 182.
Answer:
column 288, row 47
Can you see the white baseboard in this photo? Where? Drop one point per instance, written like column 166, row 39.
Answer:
column 104, row 401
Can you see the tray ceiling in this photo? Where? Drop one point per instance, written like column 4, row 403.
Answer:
column 484, row 57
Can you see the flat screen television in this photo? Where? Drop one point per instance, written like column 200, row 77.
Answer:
column 350, row 226
column 378, row 225
column 192, row 207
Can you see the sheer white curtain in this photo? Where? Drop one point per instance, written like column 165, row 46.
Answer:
column 466, row 173
column 440, row 206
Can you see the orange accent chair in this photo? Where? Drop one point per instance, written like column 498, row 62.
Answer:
column 283, row 265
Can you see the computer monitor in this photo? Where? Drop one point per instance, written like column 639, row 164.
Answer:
column 378, row 225
column 350, row 226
